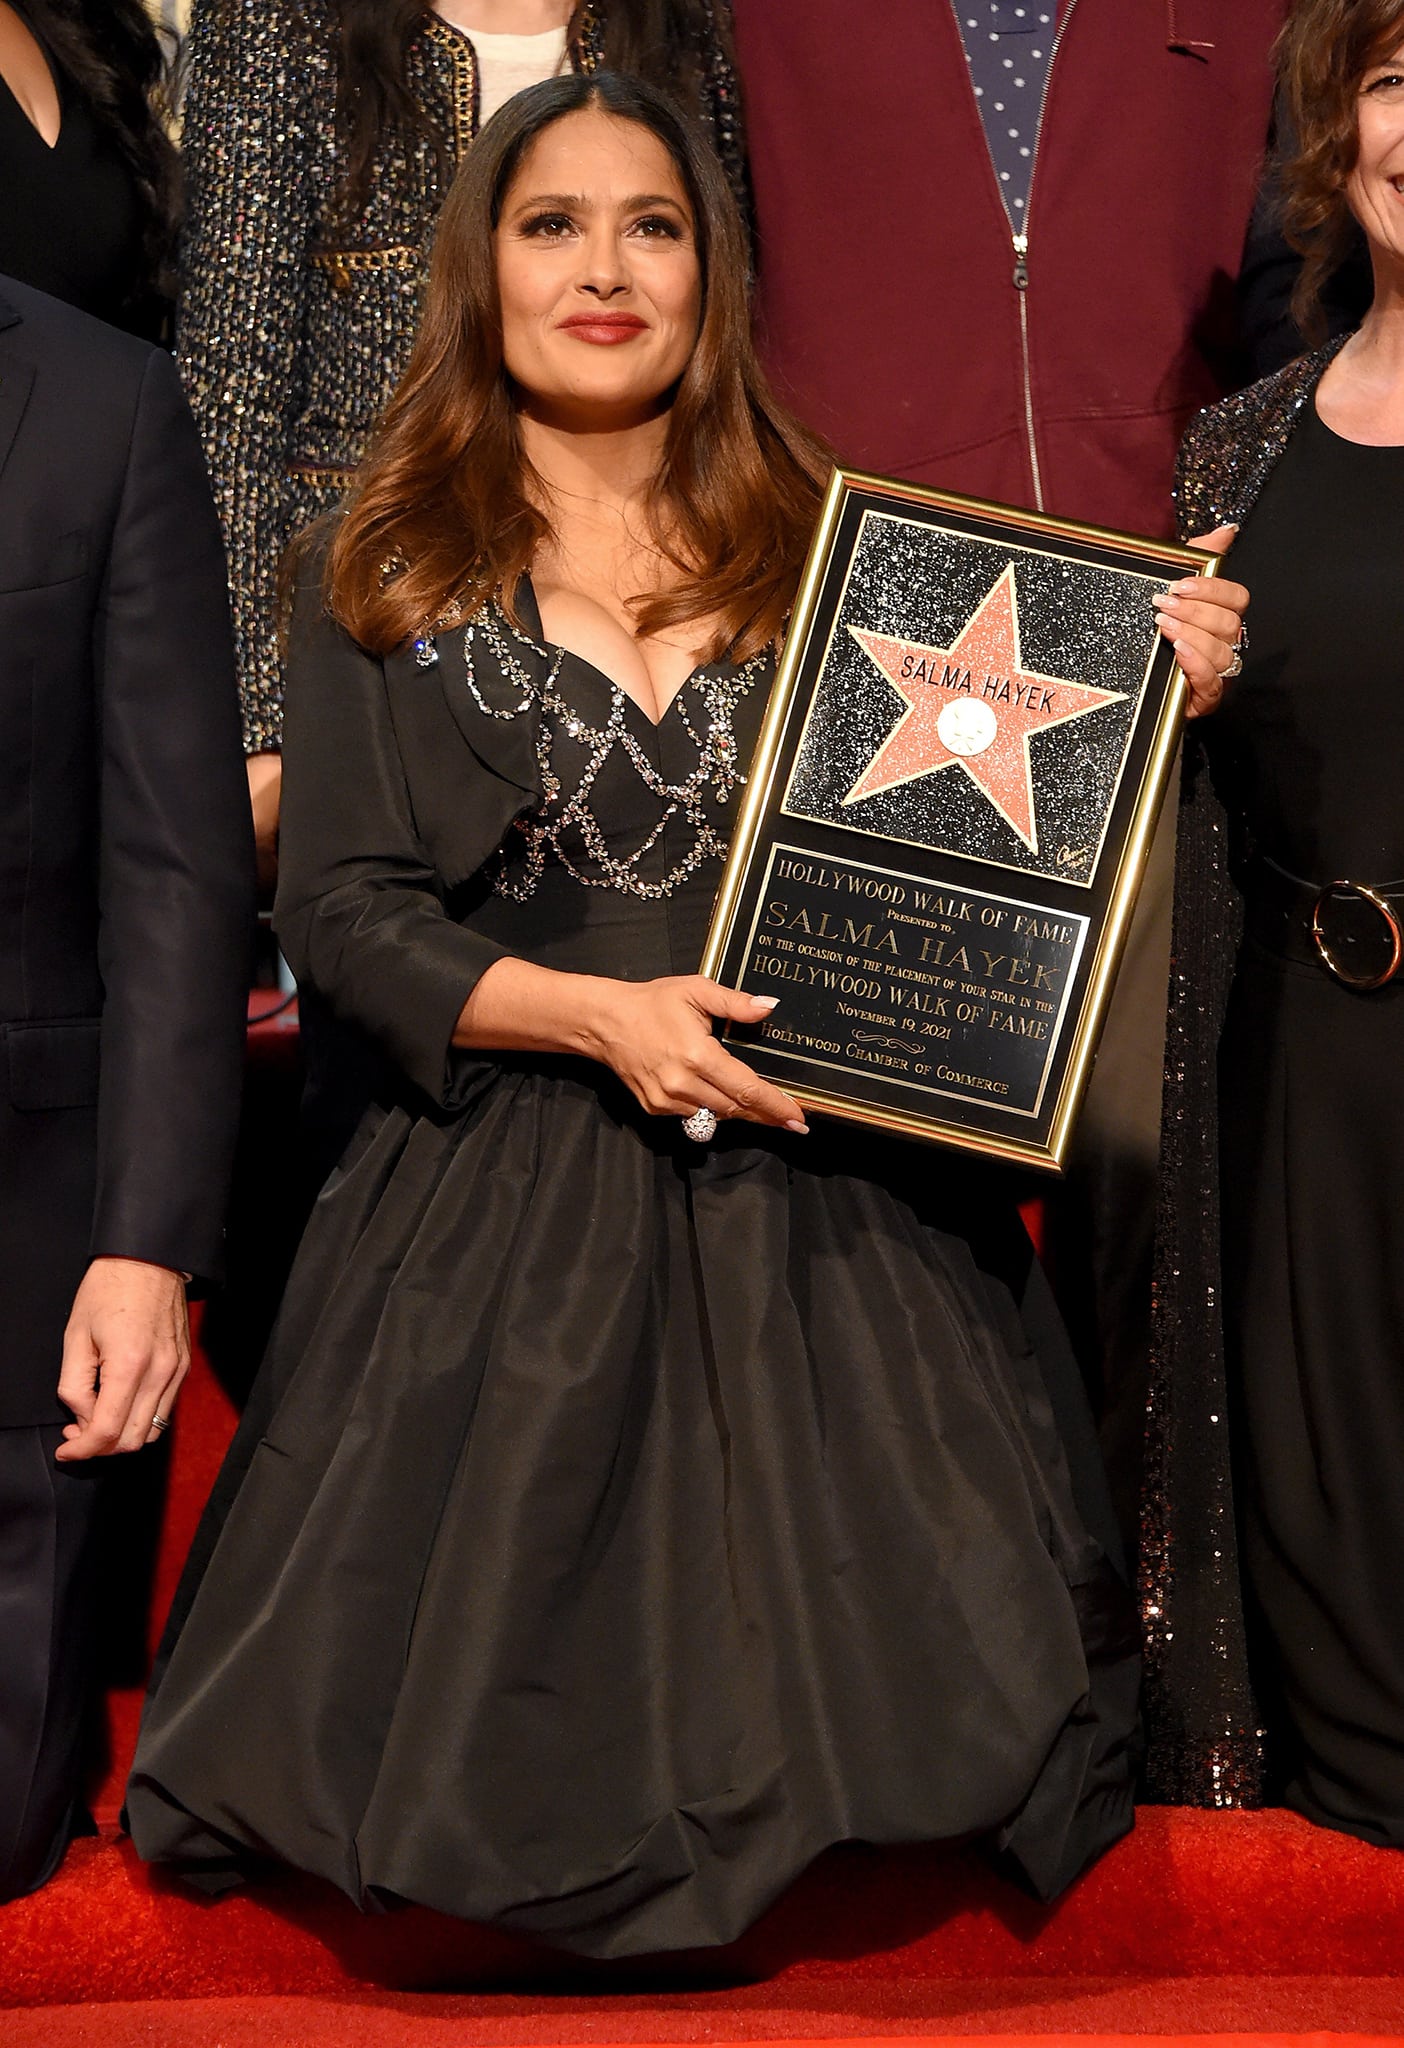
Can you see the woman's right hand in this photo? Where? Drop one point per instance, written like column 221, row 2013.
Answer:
column 657, row 1037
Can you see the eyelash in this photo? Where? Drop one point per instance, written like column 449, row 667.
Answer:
column 1393, row 78
column 548, row 226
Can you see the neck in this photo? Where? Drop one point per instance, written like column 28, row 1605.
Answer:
column 506, row 17
column 612, row 468
column 1381, row 338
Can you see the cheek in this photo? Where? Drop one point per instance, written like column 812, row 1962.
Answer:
column 527, row 288
column 515, row 340
column 1378, row 139
column 521, row 327
column 685, row 310
column 1368, row 204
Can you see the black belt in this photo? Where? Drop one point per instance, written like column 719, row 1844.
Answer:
column 1354, row 930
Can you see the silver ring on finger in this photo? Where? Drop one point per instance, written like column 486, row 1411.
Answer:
column 701, row 1126
column 1235, row 667
column 160, row 1422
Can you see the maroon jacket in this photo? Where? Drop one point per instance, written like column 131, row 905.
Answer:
column 887, row 292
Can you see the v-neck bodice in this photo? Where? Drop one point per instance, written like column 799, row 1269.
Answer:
column 615, row 869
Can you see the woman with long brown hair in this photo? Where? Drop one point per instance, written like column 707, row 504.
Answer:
column 320, row 138
column 643, row 1490
column 1282, row 1255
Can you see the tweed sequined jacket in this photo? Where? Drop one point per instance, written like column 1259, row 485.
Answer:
column 1204, row 1742
column 295, row 326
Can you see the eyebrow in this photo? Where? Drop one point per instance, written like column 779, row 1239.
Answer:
column 636, row 201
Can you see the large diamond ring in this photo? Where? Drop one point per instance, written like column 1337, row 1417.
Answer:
column 1240, row 648
column 701, row 1126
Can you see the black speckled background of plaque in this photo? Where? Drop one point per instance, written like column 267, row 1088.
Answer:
column 1083, row 621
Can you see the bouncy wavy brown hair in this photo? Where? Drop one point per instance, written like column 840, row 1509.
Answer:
column 1324, row 51
column 446, row 489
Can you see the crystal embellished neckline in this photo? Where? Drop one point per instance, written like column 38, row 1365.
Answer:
column 564, row 821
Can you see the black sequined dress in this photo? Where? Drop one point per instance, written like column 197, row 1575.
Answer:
column 1204, row 1737
column 1311, row 1131
column 618, row 1521
column 1276, row 1309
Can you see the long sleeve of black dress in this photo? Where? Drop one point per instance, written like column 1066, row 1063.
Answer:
column 362, row 908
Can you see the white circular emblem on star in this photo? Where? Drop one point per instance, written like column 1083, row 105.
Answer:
column 966, row 726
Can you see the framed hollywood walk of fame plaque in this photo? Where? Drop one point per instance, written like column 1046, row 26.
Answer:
column 948, row 814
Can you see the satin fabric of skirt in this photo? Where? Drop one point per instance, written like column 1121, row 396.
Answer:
column 624, row 1523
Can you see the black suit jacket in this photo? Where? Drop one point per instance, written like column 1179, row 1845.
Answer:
column 126, row 864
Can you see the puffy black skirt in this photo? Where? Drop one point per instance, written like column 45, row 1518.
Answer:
column 618, row 1523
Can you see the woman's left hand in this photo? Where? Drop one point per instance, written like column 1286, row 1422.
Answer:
column 1203, row 618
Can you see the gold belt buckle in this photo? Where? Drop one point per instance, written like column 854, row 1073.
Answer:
column 1391, row 922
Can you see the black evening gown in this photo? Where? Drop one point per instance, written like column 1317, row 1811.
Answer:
column 619, row 1522
column 1311, row 1086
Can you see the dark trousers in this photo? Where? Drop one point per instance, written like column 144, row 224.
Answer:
column 48, row 1515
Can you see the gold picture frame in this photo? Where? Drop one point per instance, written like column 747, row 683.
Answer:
column 971, row 733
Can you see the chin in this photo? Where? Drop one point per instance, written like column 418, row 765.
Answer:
column 617, row 399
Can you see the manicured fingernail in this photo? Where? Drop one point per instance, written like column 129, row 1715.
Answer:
column 1166, row 604
column 1185, row 583
column 800, row 1130
column 765, row 1002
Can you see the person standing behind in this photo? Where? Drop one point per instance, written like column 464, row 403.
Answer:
column 1068, row 242
column 125, row 901
column 1281, row 1263
column 82, row 106
column 1017, row 282
column 320, row 138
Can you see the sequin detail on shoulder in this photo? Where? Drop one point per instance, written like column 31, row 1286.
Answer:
column 1230, row 449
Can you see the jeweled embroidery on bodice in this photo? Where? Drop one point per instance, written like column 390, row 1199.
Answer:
column 564, row 824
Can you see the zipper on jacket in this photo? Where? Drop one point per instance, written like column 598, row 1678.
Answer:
column 1020, row 240
column 1021, row 286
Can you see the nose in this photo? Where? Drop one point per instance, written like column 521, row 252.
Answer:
column 604, row 270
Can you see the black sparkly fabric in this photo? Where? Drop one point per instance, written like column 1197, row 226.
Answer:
column 1204, row 1740
column 1077, row 621
column 295, row 324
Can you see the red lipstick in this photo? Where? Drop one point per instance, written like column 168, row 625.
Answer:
column 604, row 329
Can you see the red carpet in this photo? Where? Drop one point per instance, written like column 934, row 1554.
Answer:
column 445, row 2023
column 1200, row 1923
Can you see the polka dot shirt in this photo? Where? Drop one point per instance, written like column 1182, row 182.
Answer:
column 1009, row 44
